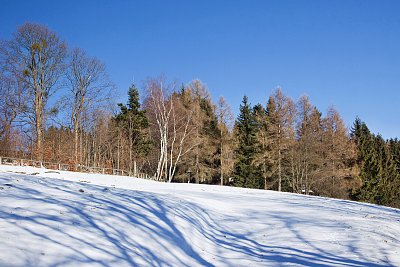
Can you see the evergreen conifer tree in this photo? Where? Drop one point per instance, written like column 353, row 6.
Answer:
column 132, row 121
column 245, row 173
column 378, row 169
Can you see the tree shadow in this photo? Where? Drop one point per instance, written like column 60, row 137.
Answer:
column 116, row 227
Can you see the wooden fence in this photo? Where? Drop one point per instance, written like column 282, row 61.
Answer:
column 70, row 167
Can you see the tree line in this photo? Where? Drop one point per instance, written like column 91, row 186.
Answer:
column 56, row 105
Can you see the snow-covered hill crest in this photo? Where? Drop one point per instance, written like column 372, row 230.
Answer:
column 74, row 219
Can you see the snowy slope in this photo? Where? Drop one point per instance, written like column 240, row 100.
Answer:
column 74, row 219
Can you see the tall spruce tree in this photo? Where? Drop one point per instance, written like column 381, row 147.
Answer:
column 246, row 174
column 394, row 147
column 132, row 121
column 366, row 160
column 378, row 169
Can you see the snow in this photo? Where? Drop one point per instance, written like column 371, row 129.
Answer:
column 76, row 219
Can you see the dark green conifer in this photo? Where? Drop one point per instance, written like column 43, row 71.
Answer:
column 245, row 173
column 132, row 121
column 378, row 168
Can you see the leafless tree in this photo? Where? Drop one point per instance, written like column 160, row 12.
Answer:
column 309, row 142
column 173, row 124
column 338, row 150
column 225, row 125
column 88, row 85
column 35, row 57
column 284, row 110
column 197, row 98
column 11, row 106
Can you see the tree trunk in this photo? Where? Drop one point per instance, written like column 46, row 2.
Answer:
column 39, row 136
column 279, row 159
column 222, row 159
column 76, row 142
column 39, row 124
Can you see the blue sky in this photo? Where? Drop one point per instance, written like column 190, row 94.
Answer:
column 342, row 53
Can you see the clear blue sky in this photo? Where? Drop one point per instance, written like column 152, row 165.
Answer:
column 342, row 53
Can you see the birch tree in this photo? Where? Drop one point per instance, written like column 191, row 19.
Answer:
column 173, row 124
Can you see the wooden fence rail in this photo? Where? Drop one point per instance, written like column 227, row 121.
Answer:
column 71, row 167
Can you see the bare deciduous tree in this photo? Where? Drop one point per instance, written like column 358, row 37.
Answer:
column 204, row 156
column 309, row 154
column 225, row 125
column 89, row 85
column 173, row 124
column 338, row 151
column 35, row 57
column 11, row 106
column 282, row 129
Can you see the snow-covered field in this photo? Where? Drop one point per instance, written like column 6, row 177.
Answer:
column 75, row 219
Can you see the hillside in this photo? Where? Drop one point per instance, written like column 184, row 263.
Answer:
column 52, row 218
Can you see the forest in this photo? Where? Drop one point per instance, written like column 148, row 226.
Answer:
column 57, row 104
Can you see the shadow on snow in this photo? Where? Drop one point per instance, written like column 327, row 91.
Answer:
column 112, row 214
